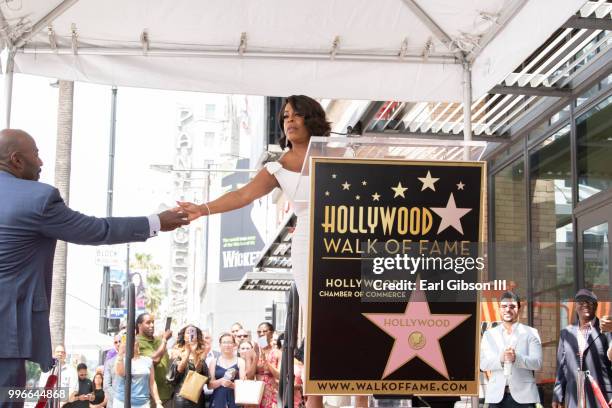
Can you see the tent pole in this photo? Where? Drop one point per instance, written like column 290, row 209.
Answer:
column 8, row 88
column 467, row 108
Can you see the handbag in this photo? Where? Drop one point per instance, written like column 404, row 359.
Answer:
column 192, row 386
column 248, row 392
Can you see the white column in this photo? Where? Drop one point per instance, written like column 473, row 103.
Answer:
column 8, row 89
column 467, row 108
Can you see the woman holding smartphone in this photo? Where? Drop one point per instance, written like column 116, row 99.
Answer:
column 143, row 380
column 187, row 355
column 224, row 370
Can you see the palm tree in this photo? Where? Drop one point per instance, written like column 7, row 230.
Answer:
column 63, row 152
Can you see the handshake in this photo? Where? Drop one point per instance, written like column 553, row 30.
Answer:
column 172, row 219
column 178, row 216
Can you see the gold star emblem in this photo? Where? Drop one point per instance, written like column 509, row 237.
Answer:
column 399, row 190
column 346, row 185
column 460, row 185
column 375, row 197
column 327, row 193
column 428, row 181
column 364, row 183
column 357, row 197
column 417, row 340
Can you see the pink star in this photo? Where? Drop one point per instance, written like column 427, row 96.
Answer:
column 451, row 215
column 417, row 333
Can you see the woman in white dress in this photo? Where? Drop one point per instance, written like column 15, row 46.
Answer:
column 301, row 117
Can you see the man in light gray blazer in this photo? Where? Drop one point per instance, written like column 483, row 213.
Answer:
column 33, row 217
column 512, row 352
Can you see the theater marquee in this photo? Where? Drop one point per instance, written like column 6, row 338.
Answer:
column 395, row 277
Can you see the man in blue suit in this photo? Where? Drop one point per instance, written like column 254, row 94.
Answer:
column 33, row 217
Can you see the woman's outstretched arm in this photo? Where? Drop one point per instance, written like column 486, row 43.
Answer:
column 261, row 185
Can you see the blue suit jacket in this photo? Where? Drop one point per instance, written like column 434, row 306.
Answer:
column 33, row 217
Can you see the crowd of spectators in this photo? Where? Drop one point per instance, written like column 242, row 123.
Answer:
column 160, row 365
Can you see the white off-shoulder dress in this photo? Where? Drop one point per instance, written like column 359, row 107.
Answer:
column 296, row 188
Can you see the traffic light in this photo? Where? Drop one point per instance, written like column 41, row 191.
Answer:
column 115, row 301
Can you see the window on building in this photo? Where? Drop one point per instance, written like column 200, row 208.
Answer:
column 594, row 149
column 545, row 126
column 587, row 95
column 552, row 259
column 274, row 128
column 209, row 111
column 209, row 139
column 596, row 258
column 510, row 225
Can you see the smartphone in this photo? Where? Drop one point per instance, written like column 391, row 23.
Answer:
column 191, row 334
column 168, row 323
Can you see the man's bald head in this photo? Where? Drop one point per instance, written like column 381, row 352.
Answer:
column 19, row 154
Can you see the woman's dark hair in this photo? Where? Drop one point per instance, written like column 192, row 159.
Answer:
column 181, row 336
column 279, row 341
column 299, row 353
column 269, row 325
column 93, row 381
column 140, row 288
column 314, row 117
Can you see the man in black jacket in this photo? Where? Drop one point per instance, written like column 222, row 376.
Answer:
column 583, row 346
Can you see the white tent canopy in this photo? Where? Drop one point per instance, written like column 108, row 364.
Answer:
column 81, row 339
column 410, row 50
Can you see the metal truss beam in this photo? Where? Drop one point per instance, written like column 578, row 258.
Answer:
column 499, row 24
column 532, row 91
column 598, row 68
column 437, row 136
column 249, row 54
column 4, row 32
column 589, row 23
column 45, row 21
column 436, row 30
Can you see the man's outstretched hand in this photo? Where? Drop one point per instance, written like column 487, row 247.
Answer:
column 172, row 219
